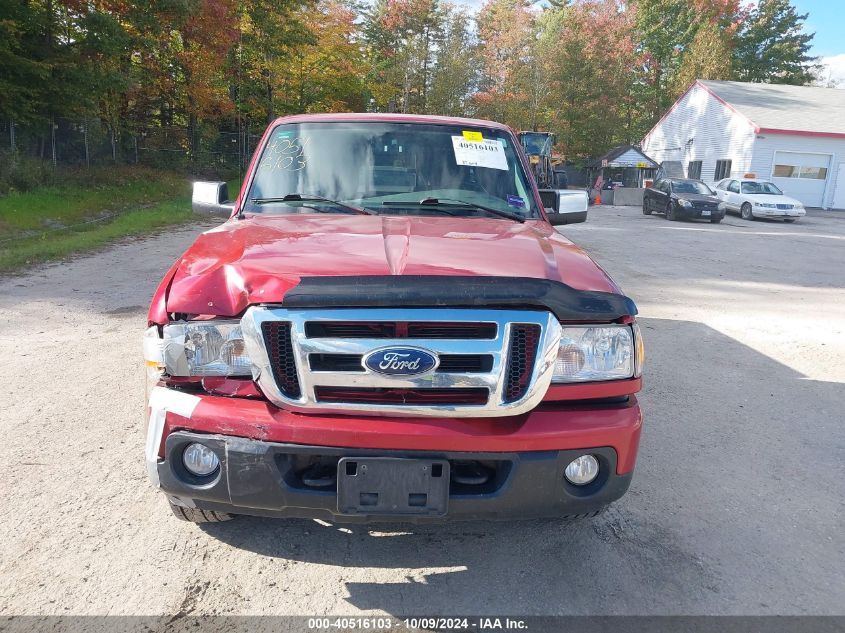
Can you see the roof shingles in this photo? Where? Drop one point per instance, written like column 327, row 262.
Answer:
column 784, row 108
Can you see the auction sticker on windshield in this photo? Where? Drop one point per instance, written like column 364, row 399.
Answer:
column 486, row 153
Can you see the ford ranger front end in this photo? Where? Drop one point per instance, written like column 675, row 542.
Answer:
column 387, row 327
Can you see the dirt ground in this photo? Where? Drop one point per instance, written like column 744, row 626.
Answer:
column 736, row 506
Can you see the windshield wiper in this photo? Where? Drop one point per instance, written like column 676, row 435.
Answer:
column 452, row 202
column 307, row 197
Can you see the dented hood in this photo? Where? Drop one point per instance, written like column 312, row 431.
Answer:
column 260, row 258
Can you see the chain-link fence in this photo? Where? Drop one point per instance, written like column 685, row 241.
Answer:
column 89, row 142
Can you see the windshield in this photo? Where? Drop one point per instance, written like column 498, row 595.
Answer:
column 690, row 186
column 389, row 168
column 761, row 187
column 536, row 143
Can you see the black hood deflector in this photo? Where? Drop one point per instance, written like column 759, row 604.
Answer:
column 442, row 291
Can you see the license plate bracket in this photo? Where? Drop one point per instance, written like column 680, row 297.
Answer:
column 392, row 486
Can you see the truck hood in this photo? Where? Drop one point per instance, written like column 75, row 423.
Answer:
column 260, row 258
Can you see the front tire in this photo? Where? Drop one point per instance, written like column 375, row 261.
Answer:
column 715, row 220
column 745, row 212
column 670, row 213
column 195, row 515
column 646, row 210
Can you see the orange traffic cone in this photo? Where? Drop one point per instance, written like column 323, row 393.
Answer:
column 598, row 196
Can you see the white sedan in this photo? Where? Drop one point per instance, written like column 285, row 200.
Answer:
column 755, row 198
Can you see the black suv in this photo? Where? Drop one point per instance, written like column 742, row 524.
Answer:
column 682, row 198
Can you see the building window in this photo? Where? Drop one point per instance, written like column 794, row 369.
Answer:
column 817, row 173
column 723, row 169
column 795, row 171
column 694, row 169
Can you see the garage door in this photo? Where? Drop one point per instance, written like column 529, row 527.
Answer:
column 802, row 176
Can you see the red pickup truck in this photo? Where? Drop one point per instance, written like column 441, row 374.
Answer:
column 388, row 327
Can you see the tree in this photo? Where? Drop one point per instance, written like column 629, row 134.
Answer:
column 708, row 55
column 680, row 41
column 773, row 47
column 326, row 73
column 403, row 37
column 455, row 75
column 271, row 30
column 663, row 29
column 507, row 34
column 21, row 72
column 589, row 58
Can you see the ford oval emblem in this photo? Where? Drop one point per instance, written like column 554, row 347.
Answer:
column 400, row 361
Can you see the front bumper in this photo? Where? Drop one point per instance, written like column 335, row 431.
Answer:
column 761, row 212
column 266, row 479
column 264, row 451
column 691, row 213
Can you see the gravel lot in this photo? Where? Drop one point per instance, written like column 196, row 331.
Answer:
column 736, row 506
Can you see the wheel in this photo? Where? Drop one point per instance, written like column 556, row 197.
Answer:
column 745, row 212
column 670, row 212
column 195, row 515
column 789, row 220
column 646, row 210
column 715, row 220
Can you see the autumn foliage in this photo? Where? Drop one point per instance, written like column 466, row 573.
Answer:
column 596, row 72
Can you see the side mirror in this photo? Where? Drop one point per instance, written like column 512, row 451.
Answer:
column 212, row 198
column 556, row 219
column 565, row 206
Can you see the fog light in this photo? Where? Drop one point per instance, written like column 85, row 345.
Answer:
column 200, row 460
column 582, row 470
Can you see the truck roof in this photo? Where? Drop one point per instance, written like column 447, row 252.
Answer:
column 384, row 117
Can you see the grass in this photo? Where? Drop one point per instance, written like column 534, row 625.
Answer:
column 86, row 212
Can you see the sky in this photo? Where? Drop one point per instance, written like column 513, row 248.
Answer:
column 827, row 20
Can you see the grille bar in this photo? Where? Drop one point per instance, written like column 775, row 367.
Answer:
column 449, row 363
column 404, row 397
column 399, row 330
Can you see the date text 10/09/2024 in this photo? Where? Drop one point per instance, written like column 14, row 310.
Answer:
column 417, row 623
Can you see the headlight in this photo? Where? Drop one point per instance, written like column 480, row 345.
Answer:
column 606, row 352
column 766, row 205
column 205, row 348
column 684, row 202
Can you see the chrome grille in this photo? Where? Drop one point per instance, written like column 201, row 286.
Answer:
column 491, row 362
